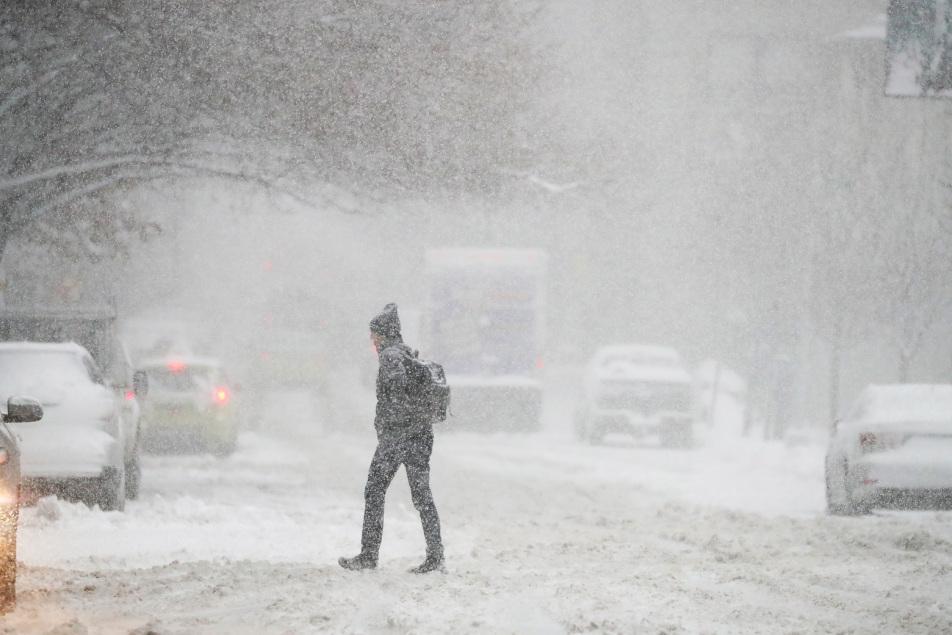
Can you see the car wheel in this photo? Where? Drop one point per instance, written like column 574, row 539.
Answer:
column 596, row 434
column 579, row 425
column 112, row 491
column 676, row 435
column 9, row 515
column 133, row 476
column 839, row 501
column 688, row 436
column 834, row 506
column 667, row 437
column 223, row 448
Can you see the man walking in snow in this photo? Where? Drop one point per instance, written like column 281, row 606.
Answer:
column 403, row 438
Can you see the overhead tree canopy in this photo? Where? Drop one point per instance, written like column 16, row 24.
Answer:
column 101, row 95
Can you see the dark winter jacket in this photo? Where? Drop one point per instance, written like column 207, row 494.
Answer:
column 393, row 411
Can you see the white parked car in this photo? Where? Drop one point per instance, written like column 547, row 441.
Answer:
column 79, row 449
column 894, row 449
column 638, row 390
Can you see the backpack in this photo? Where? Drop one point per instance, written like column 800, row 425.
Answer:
column 428, row 394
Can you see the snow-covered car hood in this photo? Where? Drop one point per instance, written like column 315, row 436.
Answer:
column 76, row 436
column 70, row 405
column 47, row 395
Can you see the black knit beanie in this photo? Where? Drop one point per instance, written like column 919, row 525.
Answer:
column 387, row 322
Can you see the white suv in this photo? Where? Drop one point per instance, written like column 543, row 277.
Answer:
column 79, row 449
column 638, row 390
column 893, row 449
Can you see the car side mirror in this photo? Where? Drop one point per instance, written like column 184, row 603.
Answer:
column 23, row 410
column 140, row 384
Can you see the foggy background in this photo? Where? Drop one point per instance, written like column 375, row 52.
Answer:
column 726, row 178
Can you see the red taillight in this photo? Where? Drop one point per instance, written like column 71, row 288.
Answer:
column 880, row 441
column 221, row 395
column 867, row 441
column 176, row 366
column 540, row 363
column 130, row 395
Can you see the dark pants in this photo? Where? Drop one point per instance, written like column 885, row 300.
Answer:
column 411, row 449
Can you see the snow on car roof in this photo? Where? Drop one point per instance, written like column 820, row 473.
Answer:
column 44, row 347
column 642, row 373
column 905, row 402
column 471, row 256
column 635, row 351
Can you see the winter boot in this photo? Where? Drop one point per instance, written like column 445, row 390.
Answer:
column 359, row 562
column 433, row 562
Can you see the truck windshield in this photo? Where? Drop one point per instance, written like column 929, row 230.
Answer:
column 485, row 323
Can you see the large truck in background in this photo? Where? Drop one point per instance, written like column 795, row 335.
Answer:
column 484, row 320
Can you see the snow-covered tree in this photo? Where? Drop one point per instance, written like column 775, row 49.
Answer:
column 103, row 95
column 915, row 248
column 843, row 285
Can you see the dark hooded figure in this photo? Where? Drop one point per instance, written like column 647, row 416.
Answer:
column 402, row 439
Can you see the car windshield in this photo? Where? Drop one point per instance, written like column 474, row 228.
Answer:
column 182, row 378
column 638, row 359
column 28, row 370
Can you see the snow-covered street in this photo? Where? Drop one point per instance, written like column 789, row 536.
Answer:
column 543, row 535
